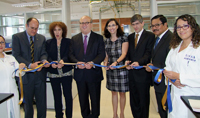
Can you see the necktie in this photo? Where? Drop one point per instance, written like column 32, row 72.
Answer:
column 85, row 44
column 136, row 39
column 32, row 49
column 157, row 39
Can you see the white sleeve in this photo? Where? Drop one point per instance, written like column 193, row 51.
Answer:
column 167, row 63
column 16, row 67
column 190, row 80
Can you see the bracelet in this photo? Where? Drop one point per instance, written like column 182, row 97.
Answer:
column 117, row 61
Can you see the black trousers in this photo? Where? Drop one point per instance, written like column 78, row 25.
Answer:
column 92, row 89
column 35, row 88
column 66, row 83
column 162, row 112
column 139, row 99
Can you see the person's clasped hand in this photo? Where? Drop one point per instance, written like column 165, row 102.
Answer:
column 81, row 65
column 60, row 64
column 21, row 66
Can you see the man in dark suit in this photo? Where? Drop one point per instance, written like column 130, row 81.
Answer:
column 86, row 48
column 34, row 84
column 139, row 54
column 159, row 53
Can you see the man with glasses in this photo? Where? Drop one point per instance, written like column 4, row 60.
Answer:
column 139, row 54
column 159, row 53
column 29, row 47
column 86, row 48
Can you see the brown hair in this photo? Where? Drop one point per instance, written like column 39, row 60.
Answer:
column 61, row 25
column 193, row 25
column 2, row 37
column 119, row 30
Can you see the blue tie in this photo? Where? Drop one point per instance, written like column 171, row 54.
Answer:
column 157, row 39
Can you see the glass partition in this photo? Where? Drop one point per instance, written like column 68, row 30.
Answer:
column 11, row 24
column 173, row 10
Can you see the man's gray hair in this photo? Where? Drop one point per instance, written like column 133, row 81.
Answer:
column 137, row 17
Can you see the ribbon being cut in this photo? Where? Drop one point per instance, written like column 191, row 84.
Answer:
column 157, row 79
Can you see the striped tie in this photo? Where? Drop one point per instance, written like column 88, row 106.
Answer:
column 136, row 40
column 32, row 49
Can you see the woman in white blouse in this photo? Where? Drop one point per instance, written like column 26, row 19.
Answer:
column 8, row 64
column 183, row 64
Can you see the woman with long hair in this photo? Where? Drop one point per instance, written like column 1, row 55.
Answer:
column 116, row 46
column 182, row 64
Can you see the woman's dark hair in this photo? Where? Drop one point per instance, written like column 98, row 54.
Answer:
column 3, row 38
column 119, row 30
column 61, row 25
column 193, row 25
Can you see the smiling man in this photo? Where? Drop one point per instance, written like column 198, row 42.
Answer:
column 139, row 54
column 158, row 56
column 88, row 47
column 29, row 48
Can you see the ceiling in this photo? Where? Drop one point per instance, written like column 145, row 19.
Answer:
column 81, row 7
column 58, row 3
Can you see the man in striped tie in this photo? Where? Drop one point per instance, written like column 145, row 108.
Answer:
column 29, row 48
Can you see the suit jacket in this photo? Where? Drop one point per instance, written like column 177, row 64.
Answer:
column 140, row 54
column 159, row 55
column 95, row 52
column 22, row 52
column 52, row 51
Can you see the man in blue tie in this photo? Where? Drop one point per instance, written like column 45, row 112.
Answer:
column 159, row 53
column 86, row 48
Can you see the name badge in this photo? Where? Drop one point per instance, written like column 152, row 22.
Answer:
column 12, row 64
column 189, row 58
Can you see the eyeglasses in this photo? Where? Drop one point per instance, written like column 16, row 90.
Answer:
column 156, row 25
column 2, row 43
column 184, row 27
column 113, row 25
column 85, row 23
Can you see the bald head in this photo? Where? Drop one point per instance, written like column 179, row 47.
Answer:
column 85, row 24
column 83, row 17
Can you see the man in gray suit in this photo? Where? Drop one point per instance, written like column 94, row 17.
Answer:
column 34, row 84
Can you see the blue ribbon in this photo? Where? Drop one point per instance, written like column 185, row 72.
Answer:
column 160, row 71
column 169, row 101
column 137, row 67
column 119, row 66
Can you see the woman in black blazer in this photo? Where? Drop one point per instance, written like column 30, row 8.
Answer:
column 60, row 75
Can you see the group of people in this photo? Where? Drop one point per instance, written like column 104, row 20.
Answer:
column 176, row 52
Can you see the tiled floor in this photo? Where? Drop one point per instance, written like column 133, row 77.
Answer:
column 106, row 106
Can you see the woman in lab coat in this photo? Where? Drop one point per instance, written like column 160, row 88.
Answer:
column 7, row 82
column 183, row 64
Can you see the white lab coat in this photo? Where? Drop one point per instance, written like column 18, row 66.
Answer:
column 8, row 84
column 187, row 64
